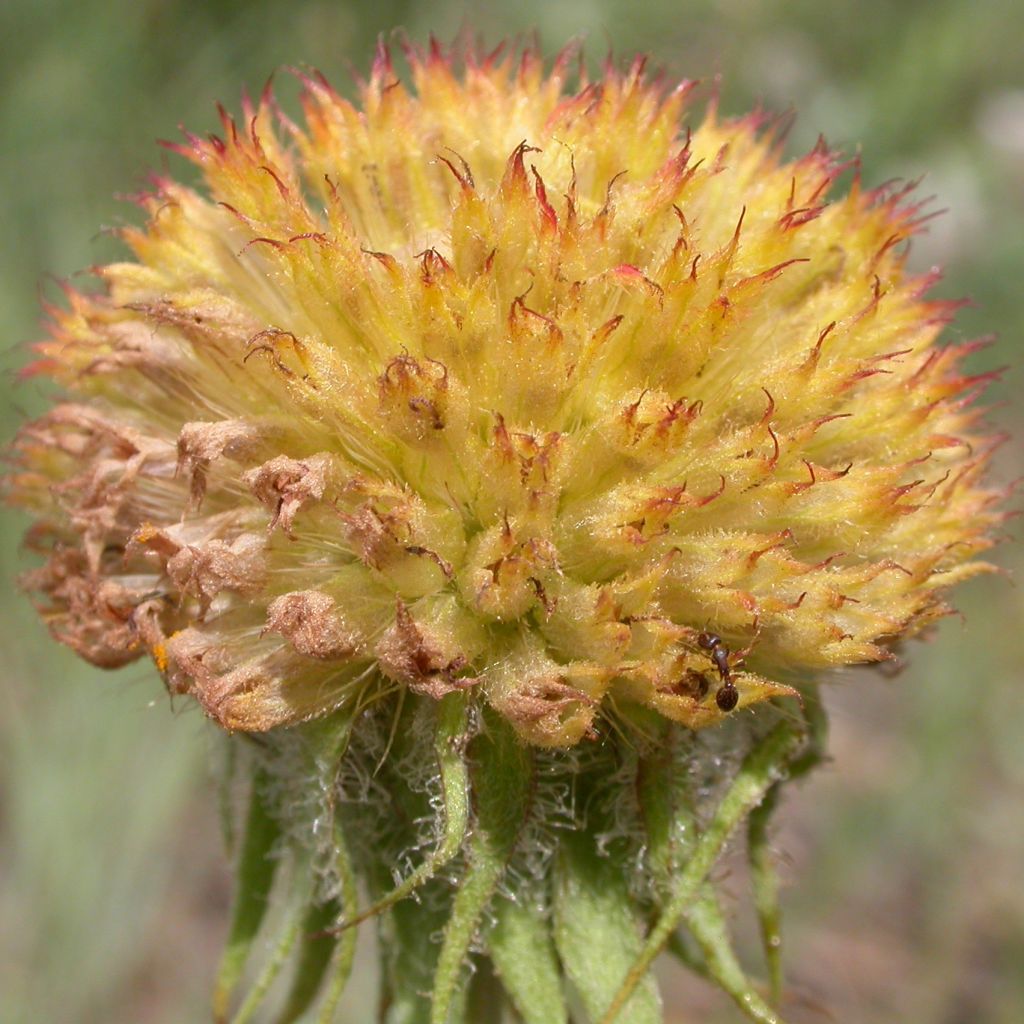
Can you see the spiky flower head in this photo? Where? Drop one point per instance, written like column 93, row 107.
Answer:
column 508, row 386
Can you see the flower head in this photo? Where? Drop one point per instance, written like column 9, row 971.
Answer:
column 509, row 408
column 493, row 385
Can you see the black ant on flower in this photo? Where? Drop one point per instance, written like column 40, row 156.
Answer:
column 695, row 683
column 727, row 696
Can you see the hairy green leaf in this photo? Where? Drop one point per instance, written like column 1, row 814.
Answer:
column 525, row 960
column 597, row 932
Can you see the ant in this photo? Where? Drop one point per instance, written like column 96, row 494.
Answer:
column 693, row 684
column 727, row 696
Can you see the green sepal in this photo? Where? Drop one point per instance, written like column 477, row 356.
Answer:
column 597, row 931
column 407, row 938
column 664, row 806
column 670, row 826
column 272, row 967
column 325, row 954
column 345, row 946
column 254, row 878
column 325, row 743
column 526, row 962
column 405, row 935
column 763, row 874
column 449, row 740
column 502, row 784
column 763, row 766
column 764, row 881
column 708, row 926
column 315, row 952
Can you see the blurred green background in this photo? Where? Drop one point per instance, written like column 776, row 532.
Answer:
column 905, row 854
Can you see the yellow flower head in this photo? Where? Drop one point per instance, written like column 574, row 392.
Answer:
column 511, row 383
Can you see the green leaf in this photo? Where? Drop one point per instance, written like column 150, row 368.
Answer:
column 254, row 878
column 525, row 959
column 597, row 932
